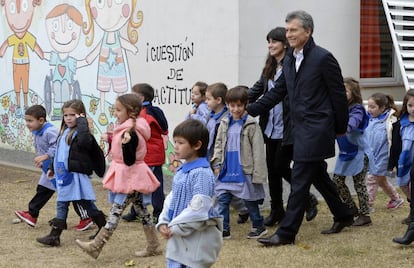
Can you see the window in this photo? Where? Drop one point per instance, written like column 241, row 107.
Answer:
column 377, row 62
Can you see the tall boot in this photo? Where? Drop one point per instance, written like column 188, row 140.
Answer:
column 100, row 221
column 153, row 243
column 53, row 238
column 94, row 247
column 312, row 208
column 408, row 238
column 276, row 215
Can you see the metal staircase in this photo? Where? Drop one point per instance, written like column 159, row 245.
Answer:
column 400, row 17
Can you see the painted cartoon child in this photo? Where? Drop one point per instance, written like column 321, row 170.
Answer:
column 63, row 24
column 19, row 15
column 111, row 16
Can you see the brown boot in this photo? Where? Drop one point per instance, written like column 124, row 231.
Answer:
column 153, row 243
column 94, row 247
column 53, row 238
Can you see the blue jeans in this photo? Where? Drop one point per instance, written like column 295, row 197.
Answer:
column 254, row 213
column 224, row 210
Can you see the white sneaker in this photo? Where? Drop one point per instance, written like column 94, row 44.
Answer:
column 392, row 204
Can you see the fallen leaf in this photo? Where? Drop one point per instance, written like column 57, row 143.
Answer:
column 129, row 263
column 304, row 246
column 20, row 181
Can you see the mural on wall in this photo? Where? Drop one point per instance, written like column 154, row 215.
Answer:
column 63, row 25
column 91, row 39
column 113, row 72
column 19, row 17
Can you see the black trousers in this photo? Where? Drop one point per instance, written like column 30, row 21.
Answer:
column 278, row 159
column 39, row 200
column 158, row 196
column 412, row 193
column 303, row 175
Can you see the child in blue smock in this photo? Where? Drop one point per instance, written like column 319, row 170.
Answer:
column 351, row 160
column 44, row 138
column 402, row 148
column 403, row 138
column 188, row 220
column 215, row 99
column 381, row 110
column 77, row 156
column 199, row 110
column 239, row 162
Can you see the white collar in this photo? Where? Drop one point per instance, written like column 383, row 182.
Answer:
column 298, row 54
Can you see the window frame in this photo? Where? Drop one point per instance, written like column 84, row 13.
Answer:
column 395, row 80
column 396, row 77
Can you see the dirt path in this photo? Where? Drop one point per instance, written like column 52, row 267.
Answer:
column 20, row 249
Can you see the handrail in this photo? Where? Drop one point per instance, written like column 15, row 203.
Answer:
column 398, row 103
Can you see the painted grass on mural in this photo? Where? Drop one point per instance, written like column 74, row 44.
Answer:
column 14, row 133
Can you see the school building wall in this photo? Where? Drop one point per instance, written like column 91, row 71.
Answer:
column 179, row 42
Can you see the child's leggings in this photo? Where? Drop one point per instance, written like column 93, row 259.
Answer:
column 117, row 209
column 373, row 182
column 360, row 188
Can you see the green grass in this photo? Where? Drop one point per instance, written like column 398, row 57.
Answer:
column 354, row 247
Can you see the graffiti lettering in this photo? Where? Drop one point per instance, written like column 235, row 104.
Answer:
column 176, row 74
column 170, row 53
column 172, row 95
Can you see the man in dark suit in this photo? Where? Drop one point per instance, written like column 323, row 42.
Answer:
column 319, row 111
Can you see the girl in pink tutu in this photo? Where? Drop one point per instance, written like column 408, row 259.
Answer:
column 128, row 177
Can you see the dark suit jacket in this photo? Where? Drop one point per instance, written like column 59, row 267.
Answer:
column 317, row 102
column 257, row 90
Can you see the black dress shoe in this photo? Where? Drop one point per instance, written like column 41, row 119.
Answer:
column 274, row 217
column 338, row 226
column 312, row 209
column 274, row 241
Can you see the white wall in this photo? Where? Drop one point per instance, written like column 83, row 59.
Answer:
column 336, row 25
column 226, row 40
column 207, row 29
